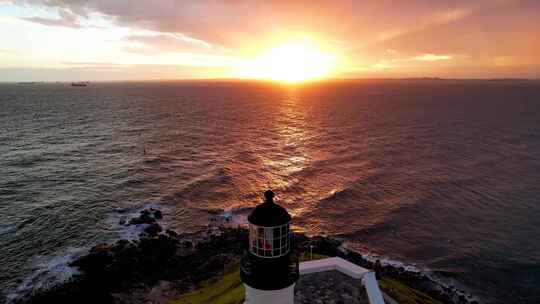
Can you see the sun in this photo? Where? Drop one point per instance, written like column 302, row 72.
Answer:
column 290, row 62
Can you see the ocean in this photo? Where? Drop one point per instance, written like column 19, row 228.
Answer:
column 440, row 175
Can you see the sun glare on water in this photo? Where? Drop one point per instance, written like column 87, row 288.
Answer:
column 292, row 62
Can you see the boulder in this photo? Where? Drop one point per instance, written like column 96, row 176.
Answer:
column 144, row 218
column 98, row 257
column 171, row 233
column 153, row 230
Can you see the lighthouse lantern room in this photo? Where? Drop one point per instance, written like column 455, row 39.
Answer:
column 270, row 267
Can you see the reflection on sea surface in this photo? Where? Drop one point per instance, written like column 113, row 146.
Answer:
column 440, row 173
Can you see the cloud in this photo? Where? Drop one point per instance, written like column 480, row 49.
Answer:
column 427, row 34
column 384, row 64
column 227, row 22
column 432, row 57
column 94, row 65
column 66, row 19
column 198, row 19
column 165, row 43
column 437, row 19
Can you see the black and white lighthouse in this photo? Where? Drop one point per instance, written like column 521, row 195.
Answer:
column 270, row 267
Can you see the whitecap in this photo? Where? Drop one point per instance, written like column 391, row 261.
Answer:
column 50, row 271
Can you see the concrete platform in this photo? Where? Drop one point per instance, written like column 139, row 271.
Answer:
column 329, row 287
column 335, row 280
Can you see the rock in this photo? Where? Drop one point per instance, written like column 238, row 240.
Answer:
column 120, row 245
column 153, row 230
column 187, row 244
column 147, row 218
column 101, row 248
column 99, row 256
column 135, row 221
column 108, row 271
column 144, row 218
column 171, row 233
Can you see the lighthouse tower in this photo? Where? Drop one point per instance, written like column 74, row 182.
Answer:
column 269, row 268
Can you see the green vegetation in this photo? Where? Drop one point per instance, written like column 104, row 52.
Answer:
column 404, row 294
column 227, row 289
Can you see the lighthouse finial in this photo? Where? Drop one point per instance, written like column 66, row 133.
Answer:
column 269, row 196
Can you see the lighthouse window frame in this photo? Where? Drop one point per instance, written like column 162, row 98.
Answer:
column 269, row 242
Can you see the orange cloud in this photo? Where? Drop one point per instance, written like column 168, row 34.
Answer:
column 432, row 57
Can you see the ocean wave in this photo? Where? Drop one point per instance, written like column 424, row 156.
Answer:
column 49, row 271
column 336, row 194
column 204, row 192
column 7, row 228
column 236, row 217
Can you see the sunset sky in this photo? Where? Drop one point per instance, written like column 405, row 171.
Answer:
column 172, row 39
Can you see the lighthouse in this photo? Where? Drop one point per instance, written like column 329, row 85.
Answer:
column 269, row 268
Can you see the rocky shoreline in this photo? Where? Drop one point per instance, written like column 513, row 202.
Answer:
column 162, row 265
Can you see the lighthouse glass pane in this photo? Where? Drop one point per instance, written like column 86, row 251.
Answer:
column 252, row 234
column 277, row 243
column 269, row 241
column 268, row 238
column 277, row 251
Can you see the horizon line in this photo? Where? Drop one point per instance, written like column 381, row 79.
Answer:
column 277, row 81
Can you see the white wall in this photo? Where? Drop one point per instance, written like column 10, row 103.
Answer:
column 281, row 296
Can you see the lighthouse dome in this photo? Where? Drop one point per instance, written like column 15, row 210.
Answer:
column 269, row 214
